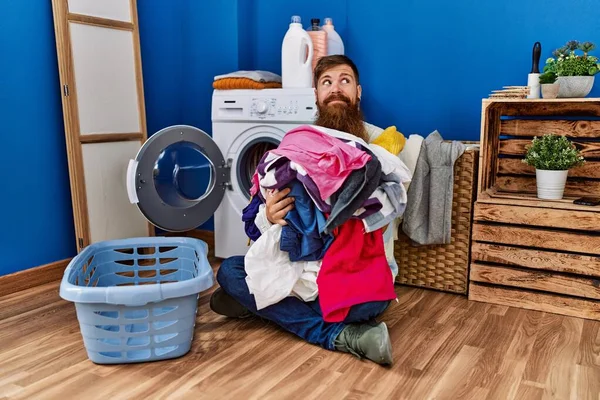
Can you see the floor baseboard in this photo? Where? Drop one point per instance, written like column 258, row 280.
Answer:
column 32, row 277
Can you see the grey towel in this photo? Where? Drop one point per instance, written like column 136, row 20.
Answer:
column 428, row 214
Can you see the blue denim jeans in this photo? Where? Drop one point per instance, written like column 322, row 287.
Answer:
column 292, row 314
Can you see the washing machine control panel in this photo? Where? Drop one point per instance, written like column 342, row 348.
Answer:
column 262, row 107
column 286, row 108
column 286, row 105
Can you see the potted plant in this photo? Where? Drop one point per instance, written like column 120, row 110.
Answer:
column 552, row 156
column 575, row 72
column 549, row 85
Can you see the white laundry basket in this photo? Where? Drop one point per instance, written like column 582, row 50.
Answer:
column 136, row 299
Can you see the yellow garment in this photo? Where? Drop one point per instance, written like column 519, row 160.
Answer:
column 391, row 140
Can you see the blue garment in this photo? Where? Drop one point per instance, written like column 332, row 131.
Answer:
column 248, row 215
column 301, row 237
column 292, row 314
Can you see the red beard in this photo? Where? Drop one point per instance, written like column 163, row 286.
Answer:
column 345, row 117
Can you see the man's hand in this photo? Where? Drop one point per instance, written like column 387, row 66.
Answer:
column 278, row 205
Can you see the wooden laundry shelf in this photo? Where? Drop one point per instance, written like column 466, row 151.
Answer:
column 527, row 252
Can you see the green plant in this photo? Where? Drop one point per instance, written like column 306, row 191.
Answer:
column 548, row 77
column 553, row 152
column 567, row 62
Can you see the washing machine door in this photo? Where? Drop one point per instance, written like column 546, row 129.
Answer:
column 178, row 178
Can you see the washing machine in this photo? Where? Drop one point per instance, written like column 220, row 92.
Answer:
column 182, row 176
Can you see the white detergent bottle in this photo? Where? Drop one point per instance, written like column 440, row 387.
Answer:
column 335, row 45
column 296, row 57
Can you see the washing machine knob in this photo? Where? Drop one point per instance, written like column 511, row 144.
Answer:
column 262, row 107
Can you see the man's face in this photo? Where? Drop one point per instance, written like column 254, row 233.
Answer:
column 338, row 97
column 337, row 87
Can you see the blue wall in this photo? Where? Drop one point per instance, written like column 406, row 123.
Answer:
column 211, row 48
column 162, row 52
column 35, row 206
column 424, row 66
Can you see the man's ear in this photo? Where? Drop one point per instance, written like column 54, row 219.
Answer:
column 359, row 92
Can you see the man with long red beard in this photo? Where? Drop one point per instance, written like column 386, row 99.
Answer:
column 338, row 95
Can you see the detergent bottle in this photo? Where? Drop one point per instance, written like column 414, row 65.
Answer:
column 296, row 57
column 319, row 41
column 334, row 41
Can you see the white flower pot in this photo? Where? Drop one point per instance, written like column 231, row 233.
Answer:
column 575, row 86
column 550, row 184
column 550, row 90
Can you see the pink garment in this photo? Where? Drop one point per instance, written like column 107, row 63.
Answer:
column 255, row 184
column 326, row 159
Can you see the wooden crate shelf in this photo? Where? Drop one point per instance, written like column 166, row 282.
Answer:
column 527, row 252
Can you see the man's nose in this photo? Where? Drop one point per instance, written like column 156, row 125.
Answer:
column 335, row 88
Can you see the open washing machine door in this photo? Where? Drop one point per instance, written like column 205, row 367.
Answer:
column 178, row 178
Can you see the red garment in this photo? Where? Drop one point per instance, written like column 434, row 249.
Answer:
column 354, row 271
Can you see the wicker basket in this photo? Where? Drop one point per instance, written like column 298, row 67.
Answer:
column 444, row 267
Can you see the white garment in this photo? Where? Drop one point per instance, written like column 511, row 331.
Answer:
column 373, row 131
column 409, row 156
column 271, row 276
column 410, row 153
column 258, row 76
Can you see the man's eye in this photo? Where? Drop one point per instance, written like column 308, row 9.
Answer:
column 345, row 80
column 326, row 82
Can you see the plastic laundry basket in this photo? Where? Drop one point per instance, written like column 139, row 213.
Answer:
column 136, row 299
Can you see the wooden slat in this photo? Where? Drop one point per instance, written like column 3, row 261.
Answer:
column 71, row 124
column 539, row 280
column 530, row 300
column 555, row 107
column 493, row 196
column 110, row 137
column 515, row 166
column 538, row 238
column 488, row 155
column 553, row 218
column 138, row 67
column 517, row 147
column 32, row 277
column 98, row 21
column 524, row 127
column 140, row 83
column 568, row 100
column 517, row 184
column 536, row 259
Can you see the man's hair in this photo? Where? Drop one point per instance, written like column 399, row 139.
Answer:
column 327, row 62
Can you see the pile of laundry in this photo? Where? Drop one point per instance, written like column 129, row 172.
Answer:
column 332, row 247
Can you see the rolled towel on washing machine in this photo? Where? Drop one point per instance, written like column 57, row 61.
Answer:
column 247, row 80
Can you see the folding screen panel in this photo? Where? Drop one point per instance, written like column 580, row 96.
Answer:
column 103, row 106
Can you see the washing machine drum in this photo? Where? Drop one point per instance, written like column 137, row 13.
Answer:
column 178, row 178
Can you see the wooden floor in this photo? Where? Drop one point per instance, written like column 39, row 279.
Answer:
column 445, row 347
